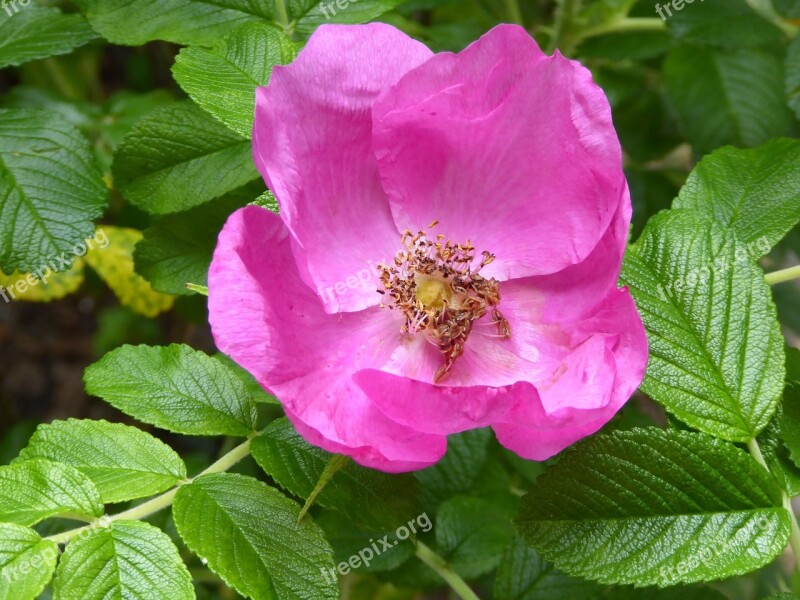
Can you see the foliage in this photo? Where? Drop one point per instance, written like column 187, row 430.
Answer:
column 706, row 103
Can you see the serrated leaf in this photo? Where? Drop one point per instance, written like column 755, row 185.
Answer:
column 458, row 470
column 178, row 157
column 716, row 349
column 267, row 200
column 727, row 97
column 38, row 489
column 129, row 559
column 51, row 189
column 114, row 264
column 177, row 249
column 38, row 32
column 180, row 21
column 523, row 575
column 754, row 192
column 123, row 462
column 27, row 562
column 250, row 536
column 471, row 535
column 376, row 501
column 223, row 79
column 676, row 593
column 175, row 388
column 655, row 507
column 50, row 287
column 255, row 391
column 722, row 23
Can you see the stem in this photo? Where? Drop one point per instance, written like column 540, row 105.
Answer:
column 514, row 13
column 755, row 451
column 565, row 9
column 794, row 536
column 438, row 564
column 768, row 12
column 158, row 503
column 783, row 275
column 336, row 463
column 625, row 24
column 282, row 16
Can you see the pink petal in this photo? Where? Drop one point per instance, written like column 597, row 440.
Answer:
column 605, row 367
column 571, row 363
column 312, row 143
column 269, row 321
column 506, row 147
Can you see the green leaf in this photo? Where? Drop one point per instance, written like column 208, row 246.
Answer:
column 50, row 189
column 129, row 559
column 676, row 593
column 174, row 388
column 457, row 472
column 223, row 79
column 123, row 462
column 471, row 535
column 716, row 349
column 754, row 192
column 723, row 23
column 776, row 455
column 179, row 21
column 381, row 551
column 35, row 490
column 177, row 249
column 655, row 507
column 790, row 422
column 27, row 562
column 250, row 536
column 727, row 97
column 38, row 32
column 793, row 76
column 376, row 501
column 178, row 157
column 254, row 389
column 523, row 575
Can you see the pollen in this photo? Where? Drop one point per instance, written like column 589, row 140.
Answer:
column 437, row 286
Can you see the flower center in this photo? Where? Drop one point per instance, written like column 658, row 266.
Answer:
column 437, row 286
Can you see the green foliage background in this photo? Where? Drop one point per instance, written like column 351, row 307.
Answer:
column 181, row 479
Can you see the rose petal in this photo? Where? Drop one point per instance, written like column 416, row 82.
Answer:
column 313, row 145
column 506, row 147
column 270, row 322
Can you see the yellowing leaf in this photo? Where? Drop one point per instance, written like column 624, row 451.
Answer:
column 44, row 286
column 114, row 264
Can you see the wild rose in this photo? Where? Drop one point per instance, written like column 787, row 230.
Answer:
column 492, row 180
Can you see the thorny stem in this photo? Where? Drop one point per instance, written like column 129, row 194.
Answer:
column 794, row 536
column 438, row 564
column 158, row 503
column 783, row 275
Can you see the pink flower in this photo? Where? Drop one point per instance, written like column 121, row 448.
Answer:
column 505, row 314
